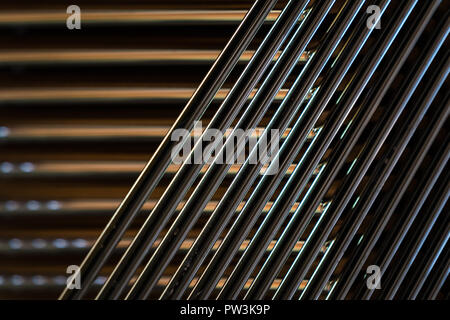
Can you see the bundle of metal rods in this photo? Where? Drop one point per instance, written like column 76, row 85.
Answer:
column 365, row 125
